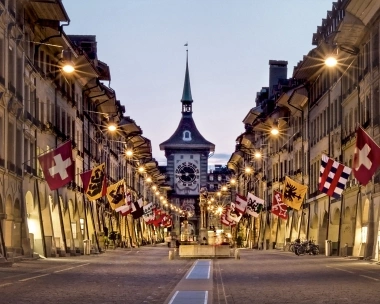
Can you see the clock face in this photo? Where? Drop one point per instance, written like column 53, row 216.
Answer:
column 187, row 174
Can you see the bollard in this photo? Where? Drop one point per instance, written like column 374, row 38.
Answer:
column 171, row 255
column 237, row 254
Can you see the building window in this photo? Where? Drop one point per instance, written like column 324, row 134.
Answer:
column 211, row 177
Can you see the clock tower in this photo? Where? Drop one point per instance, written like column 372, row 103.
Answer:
column 187, row 153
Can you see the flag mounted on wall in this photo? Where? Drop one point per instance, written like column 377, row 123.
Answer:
column 240, row 203
column 333, row 177
column 293, row 193
column 278, row 207
column 254, row 205
column 233, row 214
column 366, row 157
column 58, row 166
column 116, row 194
column 94, row 182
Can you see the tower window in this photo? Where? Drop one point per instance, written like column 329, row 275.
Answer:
column 186, row 136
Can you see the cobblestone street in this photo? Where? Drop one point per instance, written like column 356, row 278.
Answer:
column 146, row 275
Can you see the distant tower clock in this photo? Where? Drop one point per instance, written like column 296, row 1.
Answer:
column 187, row 173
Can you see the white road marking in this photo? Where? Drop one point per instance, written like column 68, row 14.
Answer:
column 71, row 268
column 340, row 269
column 42, row 275
column 173, row 297
column 6, row 284
column 364, row 276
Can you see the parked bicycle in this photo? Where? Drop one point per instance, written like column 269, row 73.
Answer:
column 306, row 247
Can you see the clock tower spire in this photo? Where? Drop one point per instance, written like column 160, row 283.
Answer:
column 187, row 99
column 187, row 153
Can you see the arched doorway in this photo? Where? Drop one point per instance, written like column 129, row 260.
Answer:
column 313, row 231
column 34, row 226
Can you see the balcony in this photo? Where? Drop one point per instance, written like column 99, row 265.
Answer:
column 11, row 166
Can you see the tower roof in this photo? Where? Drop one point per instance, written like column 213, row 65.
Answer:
column 186, row 95
column 180, row 140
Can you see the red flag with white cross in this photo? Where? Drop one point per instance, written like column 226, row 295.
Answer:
column 58, row 166
column 366, row 157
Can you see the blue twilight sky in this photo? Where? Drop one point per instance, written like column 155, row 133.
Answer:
column 230, row 45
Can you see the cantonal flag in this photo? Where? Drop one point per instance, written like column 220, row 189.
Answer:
column 137, row 208
column 254, row 205
column 94, row 182
column 127, row 207
column 115, row 194
column 333, row 176
column 278, row 206
column 293, row 193
column 233, row 215
column 240, row 203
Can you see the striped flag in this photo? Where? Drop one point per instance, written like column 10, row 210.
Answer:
column 224, row 219
column 333, row 177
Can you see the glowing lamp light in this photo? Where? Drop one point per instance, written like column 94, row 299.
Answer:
column 257, row 154
column 129, row 152
column 331, row 61
column 68, row 68
column 274, row 131
column 66, row 62
column 112, row 127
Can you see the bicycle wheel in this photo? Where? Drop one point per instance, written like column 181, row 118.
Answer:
column 300, row 250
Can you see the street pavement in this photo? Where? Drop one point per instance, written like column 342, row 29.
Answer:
column 146, row 275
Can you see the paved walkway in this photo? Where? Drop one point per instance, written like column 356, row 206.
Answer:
column 195, row 287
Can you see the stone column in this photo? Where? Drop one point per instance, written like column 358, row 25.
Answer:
column 203, row 204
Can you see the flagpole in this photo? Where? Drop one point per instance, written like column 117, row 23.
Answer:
column 61, row 221
column 85, row 215
column 4, row 250
column 41, row 221
column 93, row 224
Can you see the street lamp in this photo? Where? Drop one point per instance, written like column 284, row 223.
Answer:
column 66, row 62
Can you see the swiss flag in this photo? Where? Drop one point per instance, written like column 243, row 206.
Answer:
column 58, row 166
column 366, row 157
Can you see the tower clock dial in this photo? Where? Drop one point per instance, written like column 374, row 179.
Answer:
column 187, row 174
